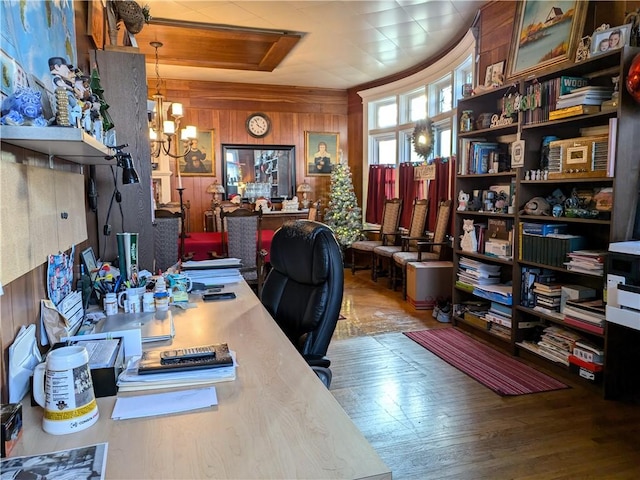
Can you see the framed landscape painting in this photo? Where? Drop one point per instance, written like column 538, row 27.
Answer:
column 545, row 33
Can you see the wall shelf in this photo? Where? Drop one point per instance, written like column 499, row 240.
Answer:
column 72, row 144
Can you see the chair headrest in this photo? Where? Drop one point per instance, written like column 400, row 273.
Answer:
column 302, row 250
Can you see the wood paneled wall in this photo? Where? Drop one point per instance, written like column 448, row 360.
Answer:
column 224, row 108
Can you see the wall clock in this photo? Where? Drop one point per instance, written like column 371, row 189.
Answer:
column 258, row 125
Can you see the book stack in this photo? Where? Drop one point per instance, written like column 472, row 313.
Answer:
column 581, row 101
column 499, row 320
column 588, row 352
column 588, row 315
column 557, row 343
column 473, row 273
column 587, row 360
column 531, row 275
column 589, row 95
column 547, row 297
column 587, row 261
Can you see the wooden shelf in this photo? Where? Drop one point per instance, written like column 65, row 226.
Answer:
column 72, row 144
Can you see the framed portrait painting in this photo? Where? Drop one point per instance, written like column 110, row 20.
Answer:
column 320, row 152
column 545, row 33
column 200, row 161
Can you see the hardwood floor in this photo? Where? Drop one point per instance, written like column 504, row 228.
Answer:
column 428, row 420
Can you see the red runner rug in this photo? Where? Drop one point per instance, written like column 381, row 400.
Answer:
column 501, row 373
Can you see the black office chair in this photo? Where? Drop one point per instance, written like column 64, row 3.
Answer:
column 303, row 291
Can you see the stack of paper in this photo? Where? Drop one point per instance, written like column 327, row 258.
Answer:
column 129, row 380
column 213, row 272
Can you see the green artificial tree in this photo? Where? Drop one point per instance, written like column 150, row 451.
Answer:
column 343, row 214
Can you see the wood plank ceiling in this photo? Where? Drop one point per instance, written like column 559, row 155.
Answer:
column 213, row 46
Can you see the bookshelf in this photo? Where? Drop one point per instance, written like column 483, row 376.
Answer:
column 610, row 184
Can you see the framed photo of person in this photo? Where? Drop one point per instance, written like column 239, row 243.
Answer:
column 200, row 161
column 545, row 33
column 611, row 39
column 320, row 152
column 494, row 75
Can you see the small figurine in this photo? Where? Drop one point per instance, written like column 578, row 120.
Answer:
column 463, row 199
column 468, row 240
column 24, row 108
column 537, row 206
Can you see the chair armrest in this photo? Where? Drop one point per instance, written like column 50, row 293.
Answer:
column 406, row 239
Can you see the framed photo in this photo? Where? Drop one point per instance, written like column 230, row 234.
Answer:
column 200, row 161
column 320, row 152
column 545, row 33
column 494, row 76
column 611, row 39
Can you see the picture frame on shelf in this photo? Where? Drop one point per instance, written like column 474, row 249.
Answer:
column 321, row 150
column 200, row 161
column 546, row 33
column 494, row 75
column 610, row 39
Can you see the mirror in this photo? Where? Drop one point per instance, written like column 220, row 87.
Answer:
column 253, row 170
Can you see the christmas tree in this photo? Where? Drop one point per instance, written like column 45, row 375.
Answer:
column 343, row 214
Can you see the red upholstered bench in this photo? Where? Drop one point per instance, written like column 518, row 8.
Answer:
column 201, row 243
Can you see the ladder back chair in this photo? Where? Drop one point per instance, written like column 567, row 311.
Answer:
column 427, row 249
column 244, row 241
column 388, row 234
column 383, row 254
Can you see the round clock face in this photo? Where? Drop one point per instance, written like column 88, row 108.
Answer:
column 258, row 125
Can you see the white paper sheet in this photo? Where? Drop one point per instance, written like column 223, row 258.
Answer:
column 164, row 403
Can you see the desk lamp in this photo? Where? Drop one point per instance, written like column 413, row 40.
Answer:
column 304, row 188
column 129, row 177
column 215, row 189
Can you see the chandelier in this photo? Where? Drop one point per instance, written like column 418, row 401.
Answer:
column 162, row 131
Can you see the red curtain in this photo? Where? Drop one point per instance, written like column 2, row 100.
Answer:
column 441, row 189
column 382, row 179
column 409, row 190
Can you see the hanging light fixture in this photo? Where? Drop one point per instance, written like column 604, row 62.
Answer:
column 162, row 128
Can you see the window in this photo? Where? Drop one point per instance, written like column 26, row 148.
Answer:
column 386, row 113
column 391, row 110
column 384, row 149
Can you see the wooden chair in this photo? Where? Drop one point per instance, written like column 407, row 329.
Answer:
column 388, row 234
column 427, row 249
column 314, row 210
column 243, row 240
column 383, row 254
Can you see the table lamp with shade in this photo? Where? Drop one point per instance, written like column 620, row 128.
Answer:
column 304, row 188
column 215, row 189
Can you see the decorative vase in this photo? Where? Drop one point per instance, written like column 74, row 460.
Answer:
column 633, row 79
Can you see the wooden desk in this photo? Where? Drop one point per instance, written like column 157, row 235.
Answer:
column 274, row 220
column 276, row 420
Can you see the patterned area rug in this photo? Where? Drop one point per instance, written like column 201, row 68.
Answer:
column 501, row 373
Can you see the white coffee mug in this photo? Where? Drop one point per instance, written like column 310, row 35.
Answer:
column 130, row 299
column 63, row 387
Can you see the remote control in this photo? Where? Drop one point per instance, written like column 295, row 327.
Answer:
column 178, row 355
